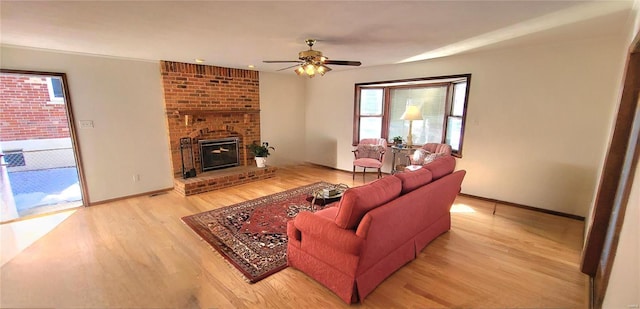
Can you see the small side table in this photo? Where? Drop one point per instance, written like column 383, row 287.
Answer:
column 403, row 151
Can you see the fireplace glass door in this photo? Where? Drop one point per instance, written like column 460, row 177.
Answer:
column 218, row 153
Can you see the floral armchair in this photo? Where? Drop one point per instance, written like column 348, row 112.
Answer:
column 369, row 154
column 427, row 153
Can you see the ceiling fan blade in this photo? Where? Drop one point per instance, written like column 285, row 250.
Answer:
column 293, row 66
column 342, row 62
column 281, row 61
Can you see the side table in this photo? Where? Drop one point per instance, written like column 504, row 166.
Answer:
column 400, row 153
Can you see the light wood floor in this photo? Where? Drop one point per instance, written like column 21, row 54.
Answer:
column 136, row 253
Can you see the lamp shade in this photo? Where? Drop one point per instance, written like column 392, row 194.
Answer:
column 411, row 113
column 310, row 68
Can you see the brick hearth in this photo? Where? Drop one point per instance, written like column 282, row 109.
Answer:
column 224, row 178
column 208, row 102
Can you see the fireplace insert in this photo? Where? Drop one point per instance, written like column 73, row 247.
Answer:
column 218, row 153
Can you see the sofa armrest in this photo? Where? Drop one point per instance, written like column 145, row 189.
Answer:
column 293, row 233
column 326, row 231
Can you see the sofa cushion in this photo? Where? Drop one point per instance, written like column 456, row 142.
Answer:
column 441, row 166
column 329, row 211
column 414, row 180
column 356, row 202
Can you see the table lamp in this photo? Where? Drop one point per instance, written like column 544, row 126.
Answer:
column 411, row 113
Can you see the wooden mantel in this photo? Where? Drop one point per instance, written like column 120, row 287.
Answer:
column 204, row 112
column 190, row 114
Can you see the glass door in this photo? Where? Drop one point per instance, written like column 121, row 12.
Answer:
column 40, row 173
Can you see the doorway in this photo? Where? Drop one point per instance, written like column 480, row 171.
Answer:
column 616, row 181
column 40, row 170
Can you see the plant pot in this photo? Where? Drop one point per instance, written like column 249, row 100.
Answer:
column 261, row 161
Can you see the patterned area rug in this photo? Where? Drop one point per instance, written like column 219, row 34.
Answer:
column 252, row 235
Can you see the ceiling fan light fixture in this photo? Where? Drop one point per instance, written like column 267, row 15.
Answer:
column 310, row 69
column 311, row 62
column 322, row 69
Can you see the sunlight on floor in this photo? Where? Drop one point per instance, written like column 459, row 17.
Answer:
column 461, row 208
column 17, row 236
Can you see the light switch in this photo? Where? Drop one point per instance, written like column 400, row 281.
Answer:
column 86, row 123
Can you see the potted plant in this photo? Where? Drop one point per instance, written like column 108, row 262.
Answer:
column 260, row 152
column 397, row 140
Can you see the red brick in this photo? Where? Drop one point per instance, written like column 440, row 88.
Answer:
column 25, row 103
column 206, row 87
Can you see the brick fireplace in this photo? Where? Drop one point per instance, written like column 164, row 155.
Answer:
column 207, row 102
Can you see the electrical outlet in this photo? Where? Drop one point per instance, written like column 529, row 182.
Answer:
column 136, row 177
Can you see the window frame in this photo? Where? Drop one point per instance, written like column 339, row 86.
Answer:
column 449, row 80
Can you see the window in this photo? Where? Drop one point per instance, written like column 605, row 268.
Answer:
column 56, row 94
column 14, row 158
column 371, row 112
column 440, row 102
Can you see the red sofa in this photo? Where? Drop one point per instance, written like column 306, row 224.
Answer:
column 375, row 229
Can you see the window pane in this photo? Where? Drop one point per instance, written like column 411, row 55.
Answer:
column 371, row 102
column 431, row 101
column 56, row 84
column 370, row 127
column 459, row 93
column 454, row 128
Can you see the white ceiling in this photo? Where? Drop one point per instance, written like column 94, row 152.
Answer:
column 239, row 33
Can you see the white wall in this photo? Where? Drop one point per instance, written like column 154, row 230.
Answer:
column 282, row 117
column 537, row 121
column 123, row 98
column 636, row 23
column 624, row 283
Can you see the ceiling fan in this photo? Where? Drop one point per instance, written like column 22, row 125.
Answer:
column 312, row 61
